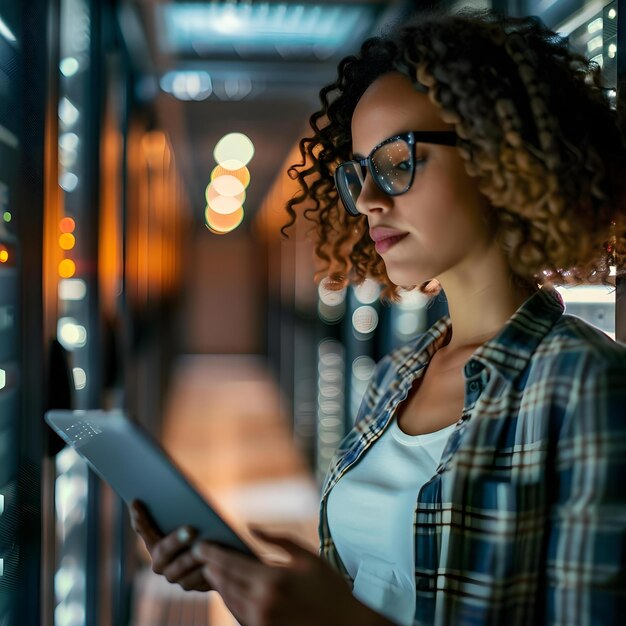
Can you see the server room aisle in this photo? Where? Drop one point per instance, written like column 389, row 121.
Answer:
column 223, row 426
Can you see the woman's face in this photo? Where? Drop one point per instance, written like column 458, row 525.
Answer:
column 438, row 221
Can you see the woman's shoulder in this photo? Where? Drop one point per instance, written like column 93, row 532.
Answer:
column 574, row 339
column 576, row 335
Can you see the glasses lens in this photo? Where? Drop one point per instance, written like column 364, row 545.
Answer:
column 349, row 181
column 393, row 164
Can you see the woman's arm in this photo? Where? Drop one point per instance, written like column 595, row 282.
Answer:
column 586, row 564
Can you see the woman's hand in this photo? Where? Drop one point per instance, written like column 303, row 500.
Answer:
column 171, row 555
column 303, row 592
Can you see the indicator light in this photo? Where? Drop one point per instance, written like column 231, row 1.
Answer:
column 67, row 268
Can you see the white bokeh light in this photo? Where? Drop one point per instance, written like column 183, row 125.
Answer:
column 329, row 296
column 224, row 205
column 234, row 146
column 367, row 292
column 365, row 319
column 227, row 185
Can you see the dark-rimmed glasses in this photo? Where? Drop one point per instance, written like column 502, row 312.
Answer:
column 391, row 164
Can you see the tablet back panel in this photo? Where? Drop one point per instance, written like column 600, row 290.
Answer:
column 136, row 467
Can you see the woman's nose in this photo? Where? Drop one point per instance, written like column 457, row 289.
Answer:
column 372, row 199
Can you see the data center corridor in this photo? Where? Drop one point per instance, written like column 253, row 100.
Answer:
column 224, row 426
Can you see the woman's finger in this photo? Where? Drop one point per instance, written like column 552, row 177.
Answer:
column 144, row 525
column 236, row 564
column 292, row 548
column 168, row 548
column 181, row 566
column 195, row 581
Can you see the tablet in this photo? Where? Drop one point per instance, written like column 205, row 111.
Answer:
column 137, row 468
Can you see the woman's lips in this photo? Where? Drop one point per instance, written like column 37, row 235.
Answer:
column 385, row 237
column 384, row 244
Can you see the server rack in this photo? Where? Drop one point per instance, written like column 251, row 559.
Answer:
column 22, row 355
column 620, row 80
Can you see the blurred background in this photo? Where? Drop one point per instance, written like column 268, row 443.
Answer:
column 143, row 154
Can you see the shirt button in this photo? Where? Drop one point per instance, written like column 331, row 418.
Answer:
column 473, row 386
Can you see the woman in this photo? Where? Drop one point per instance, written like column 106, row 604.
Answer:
column 481, row 481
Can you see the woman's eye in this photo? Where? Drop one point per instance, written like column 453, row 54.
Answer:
column 404, row 166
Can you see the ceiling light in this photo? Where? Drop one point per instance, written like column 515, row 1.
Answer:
column 228, row 22
column 261, row 27
column 187, row 85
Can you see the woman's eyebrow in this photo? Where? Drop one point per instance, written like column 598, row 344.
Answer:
column 357, row 156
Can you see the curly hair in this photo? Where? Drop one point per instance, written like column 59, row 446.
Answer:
column 535, row 127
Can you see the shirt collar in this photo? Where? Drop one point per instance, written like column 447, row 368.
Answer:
column 510, row 350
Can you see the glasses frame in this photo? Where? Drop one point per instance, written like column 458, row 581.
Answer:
column 412, row 138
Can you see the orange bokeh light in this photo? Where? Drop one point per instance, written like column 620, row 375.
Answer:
column 217, row 232
column 67, row 241
column 228, row 185
column 221, row 222
column 4, row 256
column 211, row 194
column 225, row 205
column 242, row 174
column 67, row 268
column 67, row 225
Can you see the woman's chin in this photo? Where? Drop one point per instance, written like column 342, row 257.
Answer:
column 405, row 280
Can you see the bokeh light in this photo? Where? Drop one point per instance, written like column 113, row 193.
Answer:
column 67, row 268
column 211, row 194
column 365, row 319
column 227, row 185
column 367, row 292
column 223, row 223
column 232, row 165
column 67, row 241
column 234, row 146
column 69, row 66
column 329, row 295
column 224, row 205
column 241, row 173
column 70, row 334
column 67, row 225
column 72, row 289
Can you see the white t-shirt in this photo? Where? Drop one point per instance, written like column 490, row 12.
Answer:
column 371, row 513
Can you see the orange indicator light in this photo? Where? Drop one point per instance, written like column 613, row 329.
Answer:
column 67, row 241
column 67, row 268
column 67, row 225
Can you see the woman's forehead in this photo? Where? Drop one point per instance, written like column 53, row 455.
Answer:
column 389, row 106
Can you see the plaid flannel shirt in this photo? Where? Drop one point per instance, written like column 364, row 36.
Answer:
column 524, row 521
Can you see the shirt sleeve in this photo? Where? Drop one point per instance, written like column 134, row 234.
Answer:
column 586, row 558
